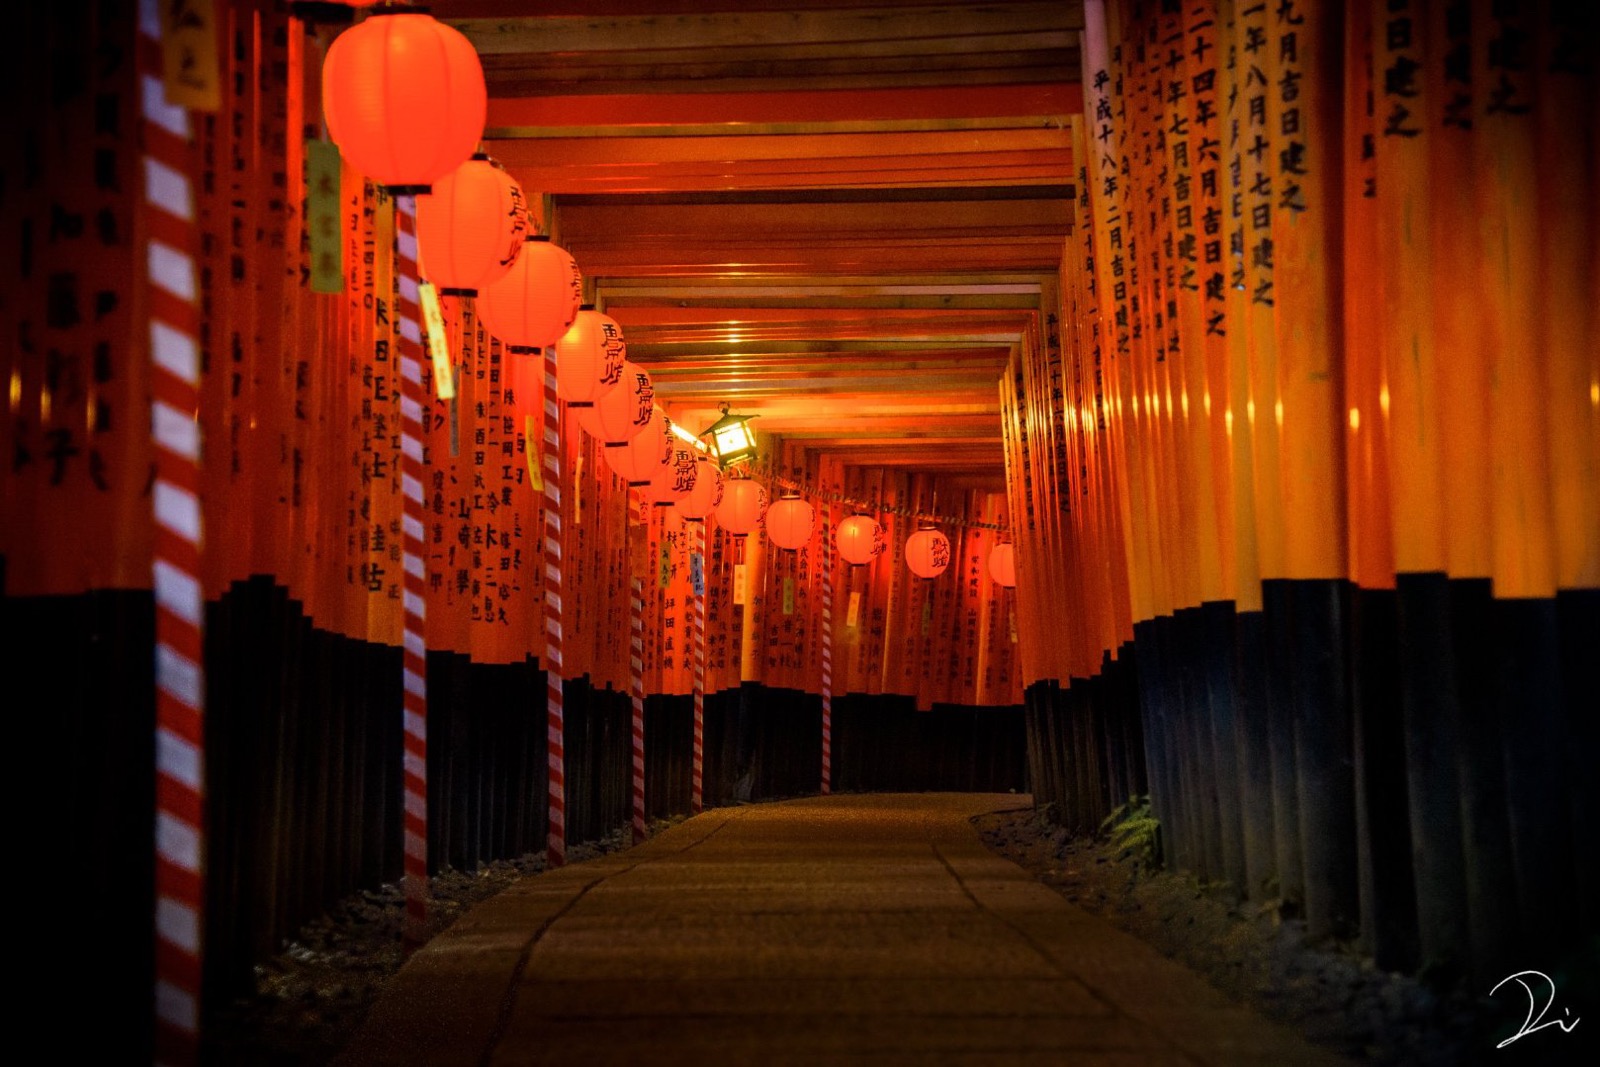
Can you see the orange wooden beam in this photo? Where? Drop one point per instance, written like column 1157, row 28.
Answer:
column 683, row 109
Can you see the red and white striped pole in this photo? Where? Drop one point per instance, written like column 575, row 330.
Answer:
column 408, row 316
column 171, row 238
column 636, row 671
column 827, row 649
column 555, row 726
column 697, row 768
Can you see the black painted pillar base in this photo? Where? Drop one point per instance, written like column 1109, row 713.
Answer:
column 1324, row 756
column 1383, row 805
column 1253, row 738
column 1279, row 645
column 1431, row 713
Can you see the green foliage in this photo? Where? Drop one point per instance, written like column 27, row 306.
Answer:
column 1133, row 831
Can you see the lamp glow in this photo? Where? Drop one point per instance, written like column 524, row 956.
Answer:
column 730, row 438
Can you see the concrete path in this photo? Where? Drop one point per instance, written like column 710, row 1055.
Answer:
column 858, row 929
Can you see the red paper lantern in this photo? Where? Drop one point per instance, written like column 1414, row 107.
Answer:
column 743, row 504
column 859, row 539
column 638, row 459
column 624, row 411
column 404, row 97
column 707, row 492
column 471, row 227
column 589, row 358
column 1003, row 564
column 927, row 553
column 789, row 522
column 534, row 303
column 674, row 479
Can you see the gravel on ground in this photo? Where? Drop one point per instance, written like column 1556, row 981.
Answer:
column 1259, row 956
column 310, row 998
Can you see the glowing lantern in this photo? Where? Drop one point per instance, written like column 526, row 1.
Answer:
column 927, row 553
column 674, row 478
column 1003, row 565
column 743, row 504
column 637, row 459
column 859, row 539
column 706, row 494
column 589, row 358
column 404, row 97
column 624, row 411
column 471, row 227
column 730, row 439
column 789, row 522
column 534, row 303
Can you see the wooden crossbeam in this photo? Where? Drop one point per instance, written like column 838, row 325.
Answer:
column 1047, row 21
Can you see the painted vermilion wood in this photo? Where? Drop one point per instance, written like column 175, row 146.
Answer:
column 667, row 109
column 1369, row 524
column 1307, row 238
column 1569, row 282
column 1460, row 381
column 1411, row 361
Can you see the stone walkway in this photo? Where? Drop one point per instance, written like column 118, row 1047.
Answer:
column 853, row 929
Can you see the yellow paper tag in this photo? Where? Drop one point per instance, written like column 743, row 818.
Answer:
column 738, row 583
column 322, row 217
column 577, row 490
column 530, row 432
column 788, row 596
column 189, row 54
column 852, row 615
column 444, row 383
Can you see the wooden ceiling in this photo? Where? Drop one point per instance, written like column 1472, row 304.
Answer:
column 837, row 215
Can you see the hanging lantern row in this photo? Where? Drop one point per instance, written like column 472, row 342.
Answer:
column 405, row 99
column 657, row 460
column 811, row 492
column 791, row 519
column 661, row 465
